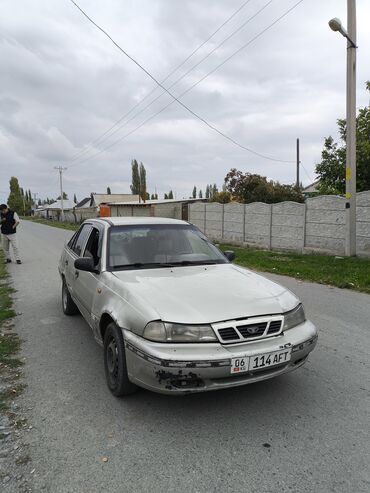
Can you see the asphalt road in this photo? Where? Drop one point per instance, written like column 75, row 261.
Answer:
column 307, row 431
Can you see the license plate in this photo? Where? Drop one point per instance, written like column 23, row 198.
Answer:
column 260, row 361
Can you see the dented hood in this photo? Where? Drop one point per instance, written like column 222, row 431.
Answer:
column 203, row 294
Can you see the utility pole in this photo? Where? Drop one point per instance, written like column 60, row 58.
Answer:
column 61, row 169
column 34, row 200
column 336, row 25
column 298, row 162
column 351, row 131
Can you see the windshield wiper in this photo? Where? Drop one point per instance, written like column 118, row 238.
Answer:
column 193, row 262
column 140, row 265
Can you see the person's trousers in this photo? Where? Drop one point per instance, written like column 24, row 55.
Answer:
column 10, row 240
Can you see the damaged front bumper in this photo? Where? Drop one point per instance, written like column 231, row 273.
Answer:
column 185, row 368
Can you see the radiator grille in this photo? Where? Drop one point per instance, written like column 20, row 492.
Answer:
column 251, row 329
column 274, row 327
column 228, row 334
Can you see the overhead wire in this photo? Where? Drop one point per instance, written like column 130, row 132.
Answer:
column 101, row 137
column 307, row 174
column 177, row 98
column 188, row 71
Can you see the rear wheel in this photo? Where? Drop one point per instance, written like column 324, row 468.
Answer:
column 69, row 306
column 115, row 362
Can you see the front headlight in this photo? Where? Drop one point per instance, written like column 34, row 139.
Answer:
column 167, row 332
column 294, row 317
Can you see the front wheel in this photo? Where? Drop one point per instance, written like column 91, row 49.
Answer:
column 69, row 306
column 115, row 362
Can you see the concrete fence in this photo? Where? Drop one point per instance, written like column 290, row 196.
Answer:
column 318, row 225
column 79, row 215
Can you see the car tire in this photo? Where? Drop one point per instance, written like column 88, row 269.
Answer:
column 68, row 305
column 115, row 362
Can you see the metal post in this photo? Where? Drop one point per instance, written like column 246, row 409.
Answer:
column 351, row 131
column 297, row 177
column 61, row 169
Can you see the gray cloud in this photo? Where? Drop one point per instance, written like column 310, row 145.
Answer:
column 63, row 84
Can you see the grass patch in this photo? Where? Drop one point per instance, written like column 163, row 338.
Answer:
column 55, row 224
column 6, row 310
column 9, row 342
column 9, row 346
column 347, row 272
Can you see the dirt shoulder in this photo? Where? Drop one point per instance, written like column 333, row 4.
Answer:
column 15, row 461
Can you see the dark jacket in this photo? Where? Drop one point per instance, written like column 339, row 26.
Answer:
column 7, row 225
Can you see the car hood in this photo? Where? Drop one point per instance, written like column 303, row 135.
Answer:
column 203, row 294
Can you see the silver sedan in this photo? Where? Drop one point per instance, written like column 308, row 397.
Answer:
column 172, row 312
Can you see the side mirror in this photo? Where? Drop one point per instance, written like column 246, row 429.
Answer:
column 86, row 264
column 230, row 255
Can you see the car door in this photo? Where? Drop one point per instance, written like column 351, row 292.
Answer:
column 86, row 283
column 74, row 250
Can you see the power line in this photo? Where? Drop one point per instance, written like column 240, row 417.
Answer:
column 307, row 174
column 177, row 99
column 196, row 83
column 98, row 139
column 233, row 33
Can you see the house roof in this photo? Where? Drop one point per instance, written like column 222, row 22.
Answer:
column 86, row 202
column 67, row 204
column 313, row 187
column 154, row 202
column 99, row 198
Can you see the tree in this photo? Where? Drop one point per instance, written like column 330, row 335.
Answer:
column 248, row 187
column 200, row 194
column 214, row 189
column 15, row 199
column 331, row 169
column 108, row 191
column 65, row 196
column 194, row 192
column 170, row 195
column 223, row 197
column 142, row 176
column 165, row 196
column 207, row 192
column 75, row 199
column 135, row 180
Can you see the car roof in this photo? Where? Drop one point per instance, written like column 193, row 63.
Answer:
column 130, row 221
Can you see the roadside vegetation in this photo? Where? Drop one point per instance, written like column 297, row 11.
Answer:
column 342, row 272
column 15, row 462
column 50, row 222
column 9, row 343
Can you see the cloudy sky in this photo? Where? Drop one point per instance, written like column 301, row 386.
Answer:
column 63, row 85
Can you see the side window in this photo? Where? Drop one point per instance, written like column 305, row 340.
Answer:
column 80, row 241
column 92, row 246
column 72, row 241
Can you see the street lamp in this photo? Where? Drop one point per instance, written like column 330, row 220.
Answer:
column 336, row 25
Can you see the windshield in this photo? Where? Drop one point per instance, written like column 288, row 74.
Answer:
column 160, row 245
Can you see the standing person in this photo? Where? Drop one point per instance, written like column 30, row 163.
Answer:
column 9, row 223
